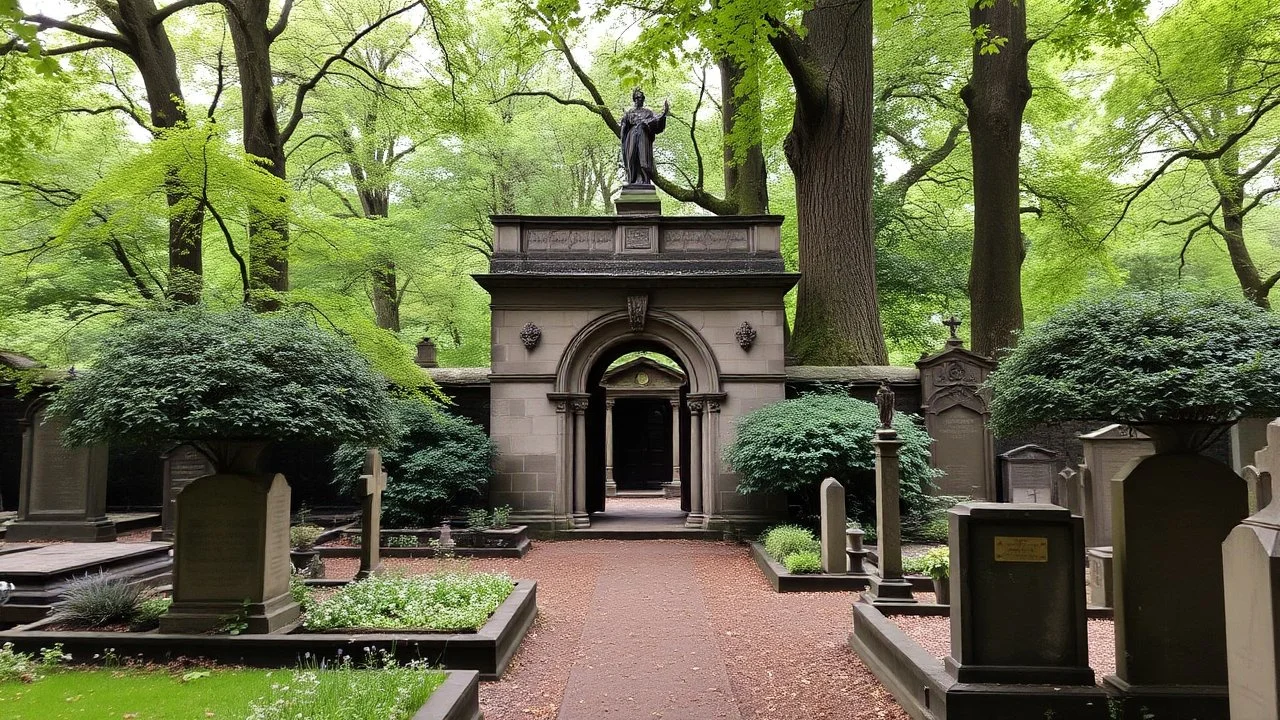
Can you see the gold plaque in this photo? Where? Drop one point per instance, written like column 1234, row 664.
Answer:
column 642, row 378
column 1022, row 549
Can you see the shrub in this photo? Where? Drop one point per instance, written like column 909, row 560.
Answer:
column 785, row 540
column 478, row 519
column 1142, row 357
column 148, row 613
column 502, row 517
column 791, row 446
column 936, row 563
column 95, row 600
column 304, row 537
column 931, row 525
column 435, row 464
column 444, row 601
column 195, row 375
column 806, row 561
column 402, row 541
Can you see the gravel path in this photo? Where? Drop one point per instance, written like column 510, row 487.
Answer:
column 783, row 655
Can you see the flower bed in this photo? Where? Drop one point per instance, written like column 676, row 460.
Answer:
column 448, row 601
column 511, row 542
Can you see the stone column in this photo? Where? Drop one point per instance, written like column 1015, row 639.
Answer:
column 672, row 489
column 696, row 516
column 580, row 516
column 833, row 537
column 710, row 461
column 610, row 486
column 888, row 587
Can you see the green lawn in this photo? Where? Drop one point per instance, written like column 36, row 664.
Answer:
column 222, row 694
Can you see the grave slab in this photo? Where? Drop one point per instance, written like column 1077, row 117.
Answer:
column 40, row 572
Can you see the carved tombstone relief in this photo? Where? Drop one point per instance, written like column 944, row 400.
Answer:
column 181, row 465
column 1029, row 474
column 955, row 415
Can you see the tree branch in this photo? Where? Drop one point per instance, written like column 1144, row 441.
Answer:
column 281, row 22
column 115, row 40
column 163, row 13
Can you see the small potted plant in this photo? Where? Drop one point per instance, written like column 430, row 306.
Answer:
column 937, row 565
column 302, row 538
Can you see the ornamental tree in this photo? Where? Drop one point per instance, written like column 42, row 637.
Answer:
column 1149, row 359
column 217, row 379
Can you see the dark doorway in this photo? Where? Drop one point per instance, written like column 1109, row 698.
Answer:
column 642, row 443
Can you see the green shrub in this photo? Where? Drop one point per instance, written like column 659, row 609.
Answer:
column 402, row 541
column 913, row 565
column 148, row 613
column 791, row 446
column 436, row 463
column 501, row 517
column 936, row 563
column 930, row 525
column 1141, row 357
column 195, row 375
column 304, row 537
column 298, row 590
column 785, row 540
column 444, row 601
column 478, row 519
column 803, row 562
column 25, row 667
column 95, row 600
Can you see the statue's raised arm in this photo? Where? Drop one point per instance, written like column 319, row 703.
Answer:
column 638, row 128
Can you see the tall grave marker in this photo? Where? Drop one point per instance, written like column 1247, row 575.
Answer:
column 372, row 482
column 955, row 415
column 1106, row 453
column 1028, row 474
column 888, row 586
column 834, row 523
column 182, row 464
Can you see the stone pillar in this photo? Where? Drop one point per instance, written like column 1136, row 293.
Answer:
column 580, row 516
column 1171, row 514
column 372, row 482
column 710, row 461
column 1251, row 586
column 888, row 586
column 833, row 536
column 62, row 491
column 231, row 555
column 1017, row 595
column 696, row 518
column 610, row 486
column 672, row 489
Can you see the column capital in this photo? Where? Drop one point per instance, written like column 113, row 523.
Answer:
column 695, row 406
column 579, row 406
column 608, row 402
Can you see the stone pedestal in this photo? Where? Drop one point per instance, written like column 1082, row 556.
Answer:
column 62, row 492
column 638, row 199
column 834, row 523
column 1017, row 595
column 1100, row 571
column 231, row 555
column 855, row 551
column 1106, row 453
column 1171, row 515
column 181, row 465
column 888, row 586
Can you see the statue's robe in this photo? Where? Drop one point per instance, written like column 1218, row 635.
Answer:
column 639, row 125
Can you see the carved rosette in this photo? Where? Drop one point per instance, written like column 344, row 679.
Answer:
column 746, row 335
column 530, row 335
column 637, row 311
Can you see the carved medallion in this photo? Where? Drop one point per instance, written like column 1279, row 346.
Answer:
column 746, row 335
column 530, row 335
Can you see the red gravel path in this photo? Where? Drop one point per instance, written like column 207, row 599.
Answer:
column 784, row 655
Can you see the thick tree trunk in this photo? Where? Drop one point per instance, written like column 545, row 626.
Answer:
column 268, row 237
column 829, row 150
column 746, row 181
column 376, row 203
column 996, row 96
column 1241, row 261
column 158, row 66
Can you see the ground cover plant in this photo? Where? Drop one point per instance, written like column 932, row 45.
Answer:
column 449, row 601
column 795, row 547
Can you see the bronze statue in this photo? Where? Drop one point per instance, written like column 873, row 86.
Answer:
column 639, row 126
column 884, row 402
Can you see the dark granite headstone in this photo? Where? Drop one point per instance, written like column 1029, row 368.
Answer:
column 1017, row 595
column 181, row 465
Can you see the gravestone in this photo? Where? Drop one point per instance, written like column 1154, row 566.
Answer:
column 1066, row 491
column 1251, row 586
column 1248, row 436
column 1028, row 474
column 1106, row 452
column 834, row 523
column 231, row 555
column 955, row 416
column 1017, row 595
column 1259, row 475
column 62, row 492
column 1100, row 571
column 888, row 586
column 182, row 464
column 1258, row 487
column 372, row 482
column 1172, row 513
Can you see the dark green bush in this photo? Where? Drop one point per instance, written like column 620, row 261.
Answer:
column 436, row 463
column 160, row 378
column 1142, row 357
column 791, row 446
column 95, row 600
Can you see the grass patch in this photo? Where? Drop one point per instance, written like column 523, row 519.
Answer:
column 445, row 602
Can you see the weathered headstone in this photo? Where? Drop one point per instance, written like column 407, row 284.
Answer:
column 1106, row 452
column 955, row 412
column 62, row 492
column 182, row 464
column 372, row 482
column 1017, row 595
column 1066, row 491
column 1028, row 474
column 231, row 555
column 888, row 586
column 1251, row 586
column 834, row 523
column 1100, row 571
column 1259, row 475
column 1172, row 512
column 1248, row 436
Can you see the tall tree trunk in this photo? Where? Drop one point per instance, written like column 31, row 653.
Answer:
column 157, row 64
column 996, row 96
column 1241, row 261
column 746, row 182
column 268, row 237
column 376, row 203
column 829, row 151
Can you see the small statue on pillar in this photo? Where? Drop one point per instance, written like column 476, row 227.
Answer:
column 884, row 402
column 639, row 126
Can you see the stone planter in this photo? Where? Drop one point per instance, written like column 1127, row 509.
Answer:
column 942, row 590
column 302, row 559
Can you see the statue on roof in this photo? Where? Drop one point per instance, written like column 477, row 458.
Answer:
column 639, row 126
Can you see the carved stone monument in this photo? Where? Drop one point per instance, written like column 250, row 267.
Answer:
column 1106, row 453
column 1251, row 585
column 955, row 415
column 1028, row 474
column 182, row 464
column 834, row 523
column 888, row 586
column 1066, row 491
column 1248, row 436
column 372, row 482
column 62, row 492
column 637, row 131
column 231, row 555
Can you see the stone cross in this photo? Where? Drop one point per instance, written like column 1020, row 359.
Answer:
column 834, row 559
column 953, row 324
column 372, row 482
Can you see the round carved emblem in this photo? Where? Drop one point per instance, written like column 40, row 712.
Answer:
column 642, row 378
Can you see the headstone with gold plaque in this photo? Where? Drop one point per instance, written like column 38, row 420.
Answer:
column 1017, row 595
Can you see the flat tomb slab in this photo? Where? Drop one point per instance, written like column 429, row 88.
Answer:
column 61, row 559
